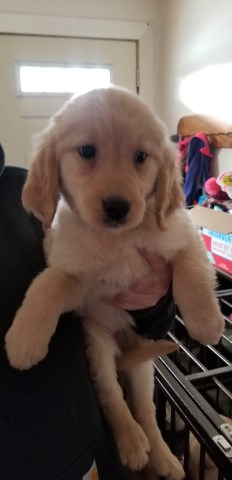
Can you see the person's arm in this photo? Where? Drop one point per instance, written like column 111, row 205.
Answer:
column 150, row 300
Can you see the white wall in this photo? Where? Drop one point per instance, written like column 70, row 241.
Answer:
column 120, row 9
column 184, row 36
column 195, row 34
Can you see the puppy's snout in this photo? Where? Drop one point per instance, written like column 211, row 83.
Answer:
column 115, row 208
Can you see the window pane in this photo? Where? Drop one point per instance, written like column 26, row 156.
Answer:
column 44, row 79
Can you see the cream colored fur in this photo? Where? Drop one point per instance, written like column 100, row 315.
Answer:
column 90, row 261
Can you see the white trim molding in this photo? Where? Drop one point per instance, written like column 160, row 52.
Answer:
column 141, row 31
column 71, row 27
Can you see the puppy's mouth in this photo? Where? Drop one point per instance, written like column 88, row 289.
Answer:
column 108, row 223
column 116, row 211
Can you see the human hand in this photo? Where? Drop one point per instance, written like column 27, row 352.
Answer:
column 147, row 291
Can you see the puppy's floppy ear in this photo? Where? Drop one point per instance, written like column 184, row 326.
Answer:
column 168, row 190
column 40, row 192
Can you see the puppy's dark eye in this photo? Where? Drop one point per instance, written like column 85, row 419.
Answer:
column 87, row 151
column 140, row 157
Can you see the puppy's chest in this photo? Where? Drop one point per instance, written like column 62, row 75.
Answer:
column 111, row 261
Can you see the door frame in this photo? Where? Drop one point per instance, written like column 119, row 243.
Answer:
column 140, row 32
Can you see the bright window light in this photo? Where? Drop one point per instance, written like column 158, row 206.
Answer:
column 208, row 91
column 42, row 79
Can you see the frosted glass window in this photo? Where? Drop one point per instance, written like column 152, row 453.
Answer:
column 42, row 79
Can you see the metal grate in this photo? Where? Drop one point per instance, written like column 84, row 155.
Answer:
column 193, row 390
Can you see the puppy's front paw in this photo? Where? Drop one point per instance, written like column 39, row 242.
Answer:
column 206, row 327
column 133, row 447
column 23, row 350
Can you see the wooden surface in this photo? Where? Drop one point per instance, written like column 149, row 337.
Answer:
column 219, row 133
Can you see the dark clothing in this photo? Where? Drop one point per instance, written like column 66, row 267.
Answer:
column 197, row 161
column 51, row 427
column 50, row 423
column 2, row 159
column 155, row 322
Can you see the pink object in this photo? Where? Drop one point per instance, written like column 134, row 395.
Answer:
column 211, row 187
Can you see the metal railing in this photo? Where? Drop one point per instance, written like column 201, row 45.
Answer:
column 193, row 389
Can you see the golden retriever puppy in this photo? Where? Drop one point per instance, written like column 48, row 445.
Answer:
column 110, row 159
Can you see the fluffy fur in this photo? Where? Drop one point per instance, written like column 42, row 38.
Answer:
column 92, row 258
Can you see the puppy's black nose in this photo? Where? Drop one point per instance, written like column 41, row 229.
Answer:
column 116, row 208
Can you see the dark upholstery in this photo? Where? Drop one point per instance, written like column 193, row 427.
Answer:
column 50, row 423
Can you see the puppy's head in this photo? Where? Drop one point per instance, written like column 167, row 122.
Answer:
column 112, row 160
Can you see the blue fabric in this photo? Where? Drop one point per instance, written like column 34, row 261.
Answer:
column 198, row 169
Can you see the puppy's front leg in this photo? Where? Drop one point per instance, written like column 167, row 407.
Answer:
column 131, row 440
column 52, row 293
column 194, row 292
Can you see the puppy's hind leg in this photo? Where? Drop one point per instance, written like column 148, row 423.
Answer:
column 52, row 293
column 131, row 440
column 141, row 385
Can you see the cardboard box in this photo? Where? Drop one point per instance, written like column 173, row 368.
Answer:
column 216, row 230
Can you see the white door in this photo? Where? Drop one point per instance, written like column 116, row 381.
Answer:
column 24, row 114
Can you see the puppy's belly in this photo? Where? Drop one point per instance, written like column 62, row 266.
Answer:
column 103, row 284
column 109, row 318
column 123, row 272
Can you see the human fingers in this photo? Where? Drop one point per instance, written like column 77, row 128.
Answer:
column 134, row 300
